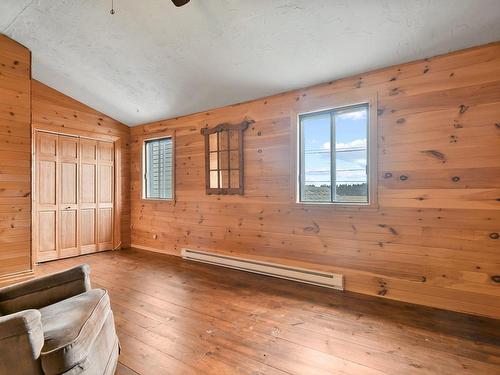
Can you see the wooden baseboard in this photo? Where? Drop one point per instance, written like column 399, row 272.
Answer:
column 16, row 277
column 155, row 250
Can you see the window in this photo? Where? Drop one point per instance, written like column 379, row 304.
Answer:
column 224, row 158
column 334, row 159
column 158, row 168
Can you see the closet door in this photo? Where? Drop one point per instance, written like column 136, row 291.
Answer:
column 105, row 189
column 74, row 196
column 88, row 196
column 68, row 157
column 46, row 205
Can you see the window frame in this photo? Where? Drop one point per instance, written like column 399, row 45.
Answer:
column 225, row 127
column 372, row 180
column 144, row 168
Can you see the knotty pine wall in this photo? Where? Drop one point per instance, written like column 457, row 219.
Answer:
column 15, row 155
column 55, row 111
column 434, row 238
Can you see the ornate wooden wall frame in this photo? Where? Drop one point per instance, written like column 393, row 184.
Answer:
column 224, row 166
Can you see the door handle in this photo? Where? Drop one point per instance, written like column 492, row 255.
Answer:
column 67, row 208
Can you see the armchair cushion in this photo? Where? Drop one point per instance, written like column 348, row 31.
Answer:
column 21, row 340
column 45, row 290
column 70, row 328
column 20, row 323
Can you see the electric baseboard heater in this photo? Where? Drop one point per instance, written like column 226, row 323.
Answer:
column 320, row 278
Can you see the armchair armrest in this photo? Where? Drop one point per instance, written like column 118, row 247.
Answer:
column 21, row 341
column 46, row 290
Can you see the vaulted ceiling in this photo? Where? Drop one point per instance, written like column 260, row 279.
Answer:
column 151, row 60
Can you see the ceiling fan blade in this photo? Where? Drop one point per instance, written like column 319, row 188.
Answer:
column 179, row 3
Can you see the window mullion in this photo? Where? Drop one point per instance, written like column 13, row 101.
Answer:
column 158, row 168
column 302, row 179
column 219, row 172
column 228, row 159
column 333, row 159
column 150, row 169
column 161, row 172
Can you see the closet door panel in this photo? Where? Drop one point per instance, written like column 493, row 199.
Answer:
column 69, row 183
column 88, row 185
column 47, row 182
column 68, row 233
column 47, row 245
column 105, row 192
column 68, row 148
column 88, row 196
column 46, row 174
column 46, row 145
column 88, row 224
column 68, row 158
column 105, row 227
column 105, row 184
column 88, row 150
column 106, row 152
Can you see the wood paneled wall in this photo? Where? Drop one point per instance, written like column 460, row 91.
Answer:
column 57, row 112
column 15, row 156
column 434, row 238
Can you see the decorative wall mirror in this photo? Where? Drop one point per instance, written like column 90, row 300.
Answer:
column 224, row 158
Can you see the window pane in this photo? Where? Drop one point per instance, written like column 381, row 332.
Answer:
column 214, row 179
column 351, row 134
column 214, row 160
column 159, row 169
column 316, row 157
column 223, row 140
column 213, row 142
column 224, row 179
column 223, row 160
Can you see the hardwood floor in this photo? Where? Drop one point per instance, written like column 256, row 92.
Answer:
column 180, row 317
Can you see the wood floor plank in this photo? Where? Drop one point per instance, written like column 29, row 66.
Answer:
column 180, row 317
column 121, row 369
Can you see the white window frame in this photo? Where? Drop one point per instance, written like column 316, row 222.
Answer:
column 144, row 169
column 372, row 165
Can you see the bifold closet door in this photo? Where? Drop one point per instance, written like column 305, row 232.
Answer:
column 74, row 199
column 57, row 161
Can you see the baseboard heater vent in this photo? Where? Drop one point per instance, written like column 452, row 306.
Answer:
column 325, row 279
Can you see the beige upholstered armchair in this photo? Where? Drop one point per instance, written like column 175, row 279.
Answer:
column 57, row 324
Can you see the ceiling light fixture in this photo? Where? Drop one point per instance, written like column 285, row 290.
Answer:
column 112, row 11
column 179, row 3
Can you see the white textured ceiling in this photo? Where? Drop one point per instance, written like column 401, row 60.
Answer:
column 152, row 61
